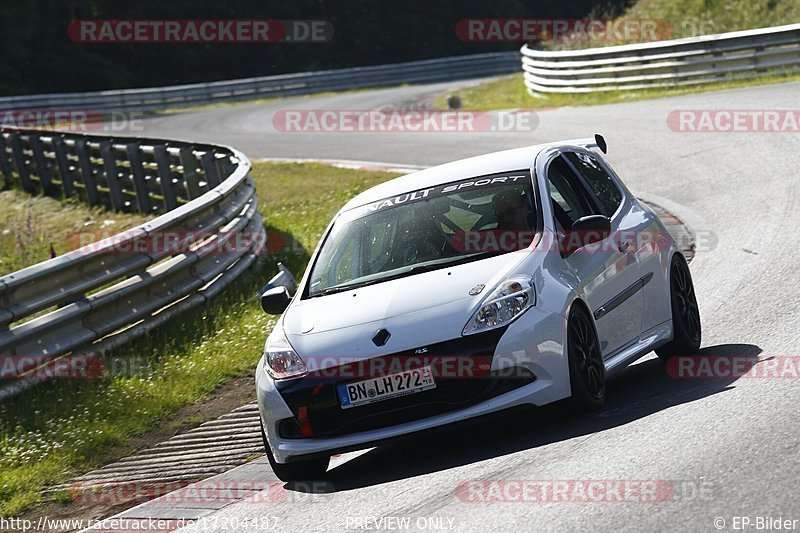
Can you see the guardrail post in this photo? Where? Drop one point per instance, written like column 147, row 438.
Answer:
column 43, row 169
column 5, row 167
column 87, row 172
column 209, row 162
column 112, row 175
column 758, row 51
column 139, row 181
column 21, row 164
column 190, row 180
column 224, row 168
column 63, row 167
column 165, row 177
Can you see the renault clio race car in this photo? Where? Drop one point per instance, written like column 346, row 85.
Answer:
column 516, row 278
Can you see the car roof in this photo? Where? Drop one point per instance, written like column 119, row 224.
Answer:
column 482, row 165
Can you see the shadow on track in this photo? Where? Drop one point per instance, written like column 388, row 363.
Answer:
column 639, row 391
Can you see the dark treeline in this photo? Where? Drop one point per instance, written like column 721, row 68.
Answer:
column 38, row 57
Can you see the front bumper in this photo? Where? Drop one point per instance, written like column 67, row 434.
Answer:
column 523, row 364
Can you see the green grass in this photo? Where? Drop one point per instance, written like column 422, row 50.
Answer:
column 676, row 19
column 59, row 429
column 509, row 93
column 718, row 16
column 29, row 224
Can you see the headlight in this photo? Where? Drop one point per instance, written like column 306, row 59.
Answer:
column 280, row 359
column 503, row 305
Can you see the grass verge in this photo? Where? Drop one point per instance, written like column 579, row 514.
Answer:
column 509, row 93
column 30, row 224
column 716, row 16
column 61, row 428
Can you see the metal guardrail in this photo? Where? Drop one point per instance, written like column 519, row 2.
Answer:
column 431, row 70
column 705, row 59
column 97, row 297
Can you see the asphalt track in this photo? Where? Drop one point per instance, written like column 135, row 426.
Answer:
column 734, row 439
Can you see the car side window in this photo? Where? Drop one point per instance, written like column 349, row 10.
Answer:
column 569, row 197
column 608, row 195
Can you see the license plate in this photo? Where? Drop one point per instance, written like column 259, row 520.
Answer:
column 385, row 387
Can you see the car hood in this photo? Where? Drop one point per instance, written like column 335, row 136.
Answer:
column 417, row 310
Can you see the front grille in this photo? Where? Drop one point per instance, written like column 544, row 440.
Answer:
column 461, row 370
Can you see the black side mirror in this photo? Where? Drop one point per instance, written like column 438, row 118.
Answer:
column 276, row 295
column 601, row 143
column 274, row 301
column 585, row 231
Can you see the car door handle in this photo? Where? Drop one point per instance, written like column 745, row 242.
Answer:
column 624, row 246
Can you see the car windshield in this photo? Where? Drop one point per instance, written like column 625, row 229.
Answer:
column 425, row 230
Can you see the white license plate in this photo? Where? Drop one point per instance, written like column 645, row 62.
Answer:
column 385, row 387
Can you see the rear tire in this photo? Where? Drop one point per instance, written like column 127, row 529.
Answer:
column 303, row 470
column 686, row 329
column 587, row 372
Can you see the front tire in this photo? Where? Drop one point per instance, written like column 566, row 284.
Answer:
column 587, row 372
column 304, row 470
column 686, row 329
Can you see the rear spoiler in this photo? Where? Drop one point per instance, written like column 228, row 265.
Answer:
column 598, row 142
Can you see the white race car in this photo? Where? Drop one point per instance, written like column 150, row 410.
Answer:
column 511, row 279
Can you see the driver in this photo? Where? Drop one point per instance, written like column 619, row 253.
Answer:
column 511, row 210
